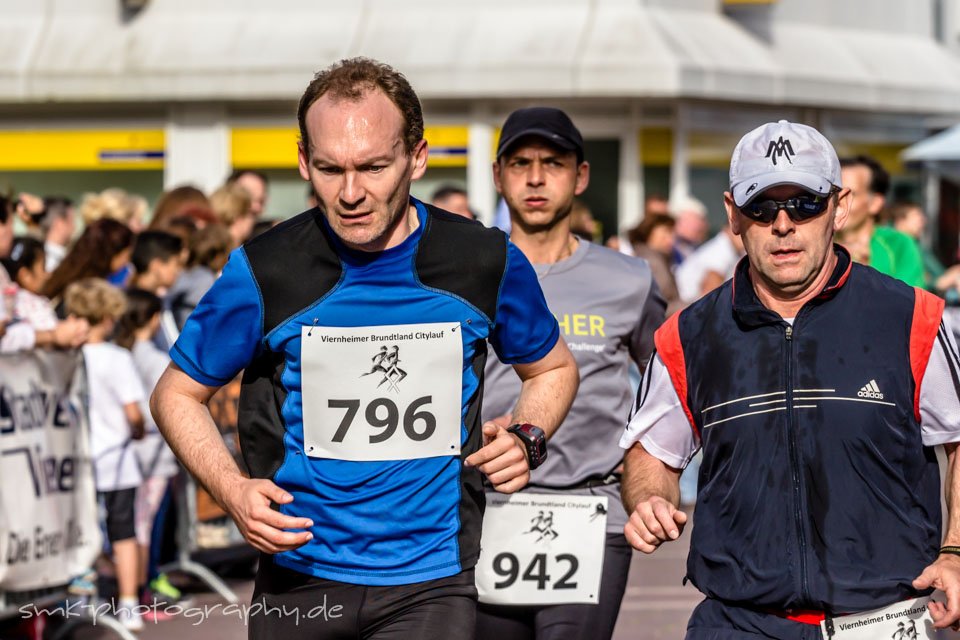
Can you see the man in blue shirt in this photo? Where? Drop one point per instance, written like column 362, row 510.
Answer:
column 376, row 484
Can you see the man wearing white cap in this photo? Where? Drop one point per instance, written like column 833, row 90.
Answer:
column 817, row 390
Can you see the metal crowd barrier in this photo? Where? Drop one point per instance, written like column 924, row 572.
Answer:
column 186, row 505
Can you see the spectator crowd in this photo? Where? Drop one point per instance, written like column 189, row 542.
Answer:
column 105, row 277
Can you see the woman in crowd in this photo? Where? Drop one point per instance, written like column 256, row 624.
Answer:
column 653, row 240
column 102, row 250
column 115, row 204
column 231, row 205
column 178, row 202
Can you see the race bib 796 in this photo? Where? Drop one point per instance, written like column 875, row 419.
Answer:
column 382, row 392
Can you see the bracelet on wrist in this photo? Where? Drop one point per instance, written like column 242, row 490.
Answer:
column 950, row 550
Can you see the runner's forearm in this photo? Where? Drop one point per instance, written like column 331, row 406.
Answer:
column 188, row 427
column 545, row 398
column 951, row 494
column 645, row 476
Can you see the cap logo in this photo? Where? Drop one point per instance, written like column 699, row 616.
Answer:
column 780, row 149
column 750, row 190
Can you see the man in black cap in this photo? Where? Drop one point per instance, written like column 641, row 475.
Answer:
column 563, row 575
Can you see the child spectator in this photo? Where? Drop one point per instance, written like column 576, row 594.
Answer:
column 158, row 465
column 115, row 397
column 157, row 259
column 209, row 249
column 24, row 305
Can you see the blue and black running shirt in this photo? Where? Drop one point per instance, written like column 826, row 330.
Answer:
column 362, row 377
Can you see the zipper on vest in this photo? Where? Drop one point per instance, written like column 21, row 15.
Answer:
column 795, row 465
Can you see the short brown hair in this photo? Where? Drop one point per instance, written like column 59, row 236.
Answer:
column 94, row 299
column 349, row 79
column 208, row 245
column 642, row 232
column 174, row 202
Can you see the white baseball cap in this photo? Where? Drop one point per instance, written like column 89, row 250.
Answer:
column 782, row 153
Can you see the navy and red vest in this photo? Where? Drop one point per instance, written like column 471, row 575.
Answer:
column 815, row 491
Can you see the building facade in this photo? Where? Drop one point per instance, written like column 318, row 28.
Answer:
column 151, row 94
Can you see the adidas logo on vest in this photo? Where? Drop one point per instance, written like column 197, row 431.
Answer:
column 870, row 390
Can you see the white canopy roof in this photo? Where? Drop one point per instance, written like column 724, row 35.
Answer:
column 81, row 51
column 943, row 146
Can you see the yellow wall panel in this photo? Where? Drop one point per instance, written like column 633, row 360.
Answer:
column 264, row 148
column 276, row 147
column 711, row 149
column 81, row 150
column 448, row 145
column 887, row 155
column 656, row 146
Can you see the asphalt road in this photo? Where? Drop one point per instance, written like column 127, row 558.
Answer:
column 655, row 607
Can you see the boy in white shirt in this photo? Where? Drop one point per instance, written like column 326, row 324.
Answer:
column 115, row 420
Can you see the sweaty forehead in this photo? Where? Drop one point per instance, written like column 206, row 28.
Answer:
column 345, row 130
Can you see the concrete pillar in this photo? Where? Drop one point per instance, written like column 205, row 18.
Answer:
column 931, row 202
column 480, row 189
column 630, row 185
column 198, row 147
column 680, row 161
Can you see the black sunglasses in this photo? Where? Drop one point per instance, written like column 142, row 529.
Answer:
column 799, row 208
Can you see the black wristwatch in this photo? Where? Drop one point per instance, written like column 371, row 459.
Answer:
column 535, row 441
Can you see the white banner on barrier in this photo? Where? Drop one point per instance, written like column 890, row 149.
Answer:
column 48, row 507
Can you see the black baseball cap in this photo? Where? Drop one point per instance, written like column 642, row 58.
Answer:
column 553, row 125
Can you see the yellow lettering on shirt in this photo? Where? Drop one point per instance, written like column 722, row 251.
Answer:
column 579, row 324
column 596, row 326
column 582, row 324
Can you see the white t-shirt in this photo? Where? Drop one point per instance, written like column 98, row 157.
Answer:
column 155, row 457
column 717, row 255
column 113, row 383
column 661, row 426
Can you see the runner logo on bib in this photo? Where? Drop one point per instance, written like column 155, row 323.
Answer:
column 541, row 549
column 382, row 393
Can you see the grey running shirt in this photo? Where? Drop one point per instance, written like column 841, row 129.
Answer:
column 608, row 308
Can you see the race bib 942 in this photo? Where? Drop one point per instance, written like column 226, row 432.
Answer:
column 541, row 549
column 383, row 392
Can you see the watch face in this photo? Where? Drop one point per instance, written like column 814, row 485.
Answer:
column 535, row 440
column 532, row 430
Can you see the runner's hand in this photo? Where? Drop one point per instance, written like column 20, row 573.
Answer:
column 503, row 459
column 263, row 527
column 652, row 523
column 943, row 574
